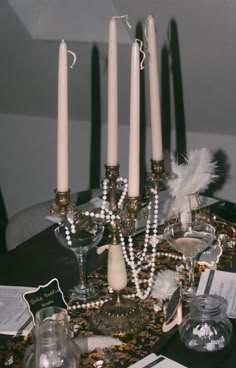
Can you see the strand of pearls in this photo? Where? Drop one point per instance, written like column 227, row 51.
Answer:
column 105, row 213
column 120, row 181
column 99, row 303
column 130, row 259
column 135, row 265
column 104, row 193
column 123, row 182
column 94, row 304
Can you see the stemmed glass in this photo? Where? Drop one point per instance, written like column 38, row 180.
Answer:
column 190, row 239
column 80, row 241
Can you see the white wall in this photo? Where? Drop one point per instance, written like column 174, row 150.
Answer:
column 28, row 158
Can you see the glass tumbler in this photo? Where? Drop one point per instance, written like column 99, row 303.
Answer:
column 206, row 327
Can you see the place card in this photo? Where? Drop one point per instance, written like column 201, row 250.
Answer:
column 173, row 311
column 156, row 361
column 44, row 296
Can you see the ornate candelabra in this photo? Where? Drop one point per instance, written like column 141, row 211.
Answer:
column 120, row 315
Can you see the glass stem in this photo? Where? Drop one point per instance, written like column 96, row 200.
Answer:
column 82, row 270
column 191, row 266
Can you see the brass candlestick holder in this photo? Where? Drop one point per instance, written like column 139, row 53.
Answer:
column 156, row 179
column 129, row 214
column 63, row 204
column 112, row 174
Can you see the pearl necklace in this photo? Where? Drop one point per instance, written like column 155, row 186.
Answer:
column 105, row 213
column 120, row 182
column 136, row 265
column 99, row 303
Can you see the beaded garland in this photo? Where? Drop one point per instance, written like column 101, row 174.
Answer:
column 130, row 258
column 99, row 303
column 136, row 262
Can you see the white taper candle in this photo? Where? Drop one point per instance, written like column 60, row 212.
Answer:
column 62, row 121
column 112, row 110
column 134, row 133
column 155, row 114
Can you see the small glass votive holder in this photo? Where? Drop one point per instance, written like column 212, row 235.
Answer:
column 206, row 328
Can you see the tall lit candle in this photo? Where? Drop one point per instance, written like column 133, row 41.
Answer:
column 157, row 151
column 62, row 121
column 134, row 134
column 112, row 111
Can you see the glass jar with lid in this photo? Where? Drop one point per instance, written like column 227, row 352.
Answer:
column 206, row 327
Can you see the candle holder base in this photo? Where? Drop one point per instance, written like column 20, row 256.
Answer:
column 119, row 316
column 63, row 204
column 159, row 174
column 156, row 180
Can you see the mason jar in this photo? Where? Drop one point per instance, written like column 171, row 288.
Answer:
column 206, row 327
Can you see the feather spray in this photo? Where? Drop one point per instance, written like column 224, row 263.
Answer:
column 191, row 177
column 164, row 284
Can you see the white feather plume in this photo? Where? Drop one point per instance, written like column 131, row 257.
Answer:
column 164, row 284
column 192, row 177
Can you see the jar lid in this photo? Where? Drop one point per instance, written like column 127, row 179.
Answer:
column 208, row 305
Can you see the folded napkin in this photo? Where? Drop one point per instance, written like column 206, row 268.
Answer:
column 88, row 344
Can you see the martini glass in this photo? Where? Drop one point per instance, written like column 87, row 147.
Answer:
column 190, row 239
column 80, row 241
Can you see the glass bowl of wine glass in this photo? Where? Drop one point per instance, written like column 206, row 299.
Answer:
column 80, row 241
column 190, row 239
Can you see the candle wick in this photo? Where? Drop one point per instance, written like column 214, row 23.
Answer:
column 140, row 42
column 126, row 19
column 74, row 58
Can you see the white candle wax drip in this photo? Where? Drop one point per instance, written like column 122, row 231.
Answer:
column 62, row 122
column 116, row 271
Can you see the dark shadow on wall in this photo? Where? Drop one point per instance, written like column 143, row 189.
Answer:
column 142, row 156
column 165, row 100
column 3, row 224
column 223, row 172
column 95, row 152
column 175, row 65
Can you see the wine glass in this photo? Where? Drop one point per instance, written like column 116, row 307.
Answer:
column 80, row 241
column 190, row 239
